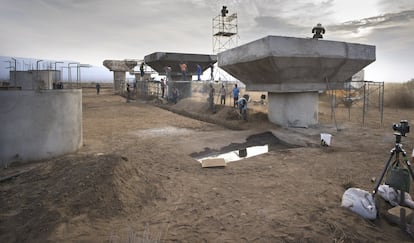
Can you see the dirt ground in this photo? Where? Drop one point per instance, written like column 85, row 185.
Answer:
column 136, row 180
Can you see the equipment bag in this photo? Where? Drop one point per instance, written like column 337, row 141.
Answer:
column 399, row 179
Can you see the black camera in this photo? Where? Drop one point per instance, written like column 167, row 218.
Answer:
column 402, row 128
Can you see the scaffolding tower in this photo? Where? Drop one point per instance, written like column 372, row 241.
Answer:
column 225, row 31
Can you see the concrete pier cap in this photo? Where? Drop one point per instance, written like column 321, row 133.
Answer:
column 159, row 60
column 293, row 71
column 119, row 67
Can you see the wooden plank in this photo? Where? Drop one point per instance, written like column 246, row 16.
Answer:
column 213, row 163
column 15, row 174
column 396, row 211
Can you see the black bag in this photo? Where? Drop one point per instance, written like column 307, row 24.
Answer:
column 242, row 152
column 399, row 179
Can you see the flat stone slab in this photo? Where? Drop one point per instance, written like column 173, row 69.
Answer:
column 289, row 64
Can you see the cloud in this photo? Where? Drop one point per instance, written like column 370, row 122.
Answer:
column 392, row 34
column 386, row 20
column 93, row 30
column 75, row 29
column 287, row 18
column 395, row 6
column 270, row 25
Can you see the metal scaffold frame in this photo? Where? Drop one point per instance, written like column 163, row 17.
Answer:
column 370, row 87
column 366, row 90
column 225, row 36
column 225, row 32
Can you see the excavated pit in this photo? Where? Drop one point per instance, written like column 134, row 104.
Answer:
column 255, row 145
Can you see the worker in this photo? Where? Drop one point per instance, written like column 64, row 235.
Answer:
column 141, row 70
column 98, row 88
column 318, row 30
column 223, row 92
column 183, row 68
column 242, row 105
column 236, row 92
column 128, row 93
column 211, row 98
column 199, row 72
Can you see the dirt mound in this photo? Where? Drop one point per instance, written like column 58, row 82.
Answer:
column 136, row 188
column 225, row 115
column 193, row 106
column 98, row 187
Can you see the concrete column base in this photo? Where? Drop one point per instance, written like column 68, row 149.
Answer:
column 39, row 124
column 293, row 109
column 119, row 77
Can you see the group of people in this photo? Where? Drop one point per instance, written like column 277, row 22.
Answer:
column 239, row 103
column 199, row 70
column 174, row 91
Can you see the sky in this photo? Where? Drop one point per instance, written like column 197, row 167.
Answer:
column 90, row 31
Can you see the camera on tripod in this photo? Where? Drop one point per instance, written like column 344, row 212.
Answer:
column 398, row 177
column 402, row 128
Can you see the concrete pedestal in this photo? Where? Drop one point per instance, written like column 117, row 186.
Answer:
column 293, row 109
column 119, row 77
column 39, row 124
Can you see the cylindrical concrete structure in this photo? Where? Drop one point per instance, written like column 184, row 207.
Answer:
column 39, row 124
column 293, row 109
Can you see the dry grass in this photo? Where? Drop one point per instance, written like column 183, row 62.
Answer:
column 399, row 95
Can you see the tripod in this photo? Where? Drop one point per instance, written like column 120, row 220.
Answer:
column 396, row 180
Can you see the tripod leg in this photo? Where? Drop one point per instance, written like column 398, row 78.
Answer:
column 379, row 180
column 403, row 222
column 408, row 163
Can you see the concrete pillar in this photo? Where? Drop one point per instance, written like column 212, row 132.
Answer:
column 170, row 84
column 293, row 109
column 119, row 67
column 119, row 78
